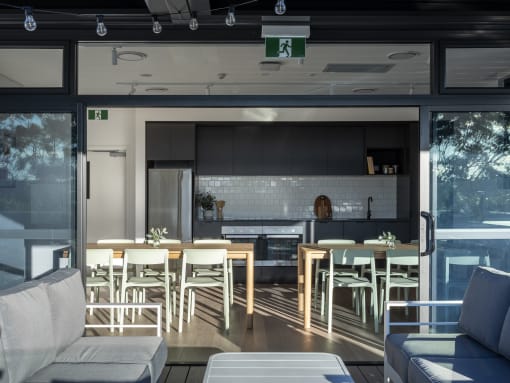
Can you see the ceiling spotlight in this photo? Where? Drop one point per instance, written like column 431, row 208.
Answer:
column 30, row 24
column 101, row 28
column 193, row 22
column 156, row 25
column 280, row 7
column 230, row 20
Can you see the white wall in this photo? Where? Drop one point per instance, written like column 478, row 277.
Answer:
column 125, row 128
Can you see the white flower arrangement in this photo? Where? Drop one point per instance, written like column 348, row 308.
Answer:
column 156, row 234
column 388, row 238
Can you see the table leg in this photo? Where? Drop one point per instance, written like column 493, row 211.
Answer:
column 308, row 291
column 249, row 289
column 300, row 279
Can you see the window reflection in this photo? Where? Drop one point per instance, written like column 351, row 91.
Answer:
column 471, row 152
column 37, row 193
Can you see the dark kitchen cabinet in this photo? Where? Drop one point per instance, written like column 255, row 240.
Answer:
column 248, row 143
column 345, row 151
column 214, row 150
column 170, row 141
column 387, row 137
column 361, row 230
column 277, row 150
column 309, row 150
column 327, row 230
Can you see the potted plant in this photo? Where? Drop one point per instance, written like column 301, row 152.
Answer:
column 156, row 235
column 206, row 201
column 388, row 238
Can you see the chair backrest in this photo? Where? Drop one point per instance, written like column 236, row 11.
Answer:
column 204, row 256
column 352, row 257
column 322, row 242
column 145, row 256
column 96, row 257
column 401, row 257
column 212, row 241
column 110, row 240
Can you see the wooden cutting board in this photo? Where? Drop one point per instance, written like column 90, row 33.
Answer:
column 322, row 207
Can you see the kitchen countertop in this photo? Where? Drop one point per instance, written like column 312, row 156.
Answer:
column 251, row 220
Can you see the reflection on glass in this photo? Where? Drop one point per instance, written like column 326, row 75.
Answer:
column 470, row 162
column 37, row 194
column 471, row 158
column 31, row 67
column 477, row 68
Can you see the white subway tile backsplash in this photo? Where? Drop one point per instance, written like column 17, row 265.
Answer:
column 287, row 197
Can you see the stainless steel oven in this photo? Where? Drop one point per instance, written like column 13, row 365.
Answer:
column 275, row 250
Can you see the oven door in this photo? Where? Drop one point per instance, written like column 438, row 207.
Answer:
column 245, row 238
column 280, row 250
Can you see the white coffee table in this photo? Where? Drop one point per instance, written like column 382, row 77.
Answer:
column 276, row 367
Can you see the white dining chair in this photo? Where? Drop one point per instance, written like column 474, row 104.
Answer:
column 118, row 263
column 320, row 272
column 352, row 257
column 398, row 257
column 97, row 259
column 213, row 271
column 141, row 257
column 211, row 258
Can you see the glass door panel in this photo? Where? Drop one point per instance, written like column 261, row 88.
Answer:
column 470, row 198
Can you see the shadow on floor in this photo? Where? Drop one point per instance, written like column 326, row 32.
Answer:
column 190, row 355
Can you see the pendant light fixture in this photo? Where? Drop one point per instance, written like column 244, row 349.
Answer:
column 156, row 25
column 30, row 24
column 101, row 29
column 230, row 20
column 280, row 7
column 193, row 22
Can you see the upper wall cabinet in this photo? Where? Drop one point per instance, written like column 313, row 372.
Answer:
column 168, row 141
column 345, row 150
column 214, row 150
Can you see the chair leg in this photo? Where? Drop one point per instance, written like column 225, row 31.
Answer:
column 168, row 308
column 122, row 300
column 323, row 292
column 91, row 310
column 381, row 301
column 316, row 285
column 406, row 297
column 329, row 303
column 226, row 307
column 181, row 307
column 363, row 308
column 190, row 298
column 230, row 282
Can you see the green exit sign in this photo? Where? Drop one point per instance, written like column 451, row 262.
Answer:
column 98, row 114
column 285, row 47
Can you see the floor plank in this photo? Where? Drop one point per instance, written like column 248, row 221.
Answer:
column 178, row 374
column 372, row 374
column 356, row 374
column 196, row 374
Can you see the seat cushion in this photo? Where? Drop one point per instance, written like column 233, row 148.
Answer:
column 67, row 302
column 459, row 370
column 26, row 330
column 485, row 305
column 92, row 373
column 150, row 351
column 400, row 348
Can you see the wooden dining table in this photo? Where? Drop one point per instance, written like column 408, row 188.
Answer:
column 308, row 252
column 242, row 251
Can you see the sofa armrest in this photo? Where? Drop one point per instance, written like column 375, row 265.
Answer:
column 156, row 306
column 389, row 304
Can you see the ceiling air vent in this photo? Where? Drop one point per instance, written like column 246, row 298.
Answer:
column 358, row 68
column 270, row 65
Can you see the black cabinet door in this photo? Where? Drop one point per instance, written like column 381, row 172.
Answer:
column 276, row 151
column 247, row 150
column 386, row 137
column 214, row 150
column 309, row 150
column 345, row 148
column 359, row 231
column 328, row 230
column 170, row 141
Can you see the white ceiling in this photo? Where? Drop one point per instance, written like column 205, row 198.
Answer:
column 234, row 69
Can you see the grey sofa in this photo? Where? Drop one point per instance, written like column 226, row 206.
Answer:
column 480, row 353
column 41, row 328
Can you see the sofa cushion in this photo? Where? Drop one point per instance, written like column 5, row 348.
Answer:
column 485, row 305
column 67, row 303
column 26, row 330
column 400, row 348
column 459, row 370
column 148, row 350
column 504, row 340
column 91, row 373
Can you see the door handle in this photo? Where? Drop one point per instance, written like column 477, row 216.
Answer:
column 430, row 233
column 87, row 172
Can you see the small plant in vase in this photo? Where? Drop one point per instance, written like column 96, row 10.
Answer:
column 206, row 201
column 156, row 235
column 388, row 238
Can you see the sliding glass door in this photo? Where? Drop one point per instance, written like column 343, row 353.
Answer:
column 38, row 157
column 466, row 172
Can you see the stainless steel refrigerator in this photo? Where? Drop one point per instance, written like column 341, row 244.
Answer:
column 170, row 196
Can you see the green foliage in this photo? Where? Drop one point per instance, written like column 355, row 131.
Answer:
column 206, row 200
